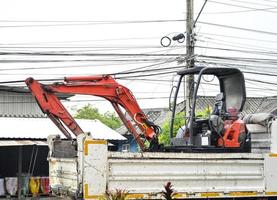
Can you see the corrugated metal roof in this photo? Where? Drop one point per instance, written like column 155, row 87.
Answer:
column 252, row 104
column 156, row 115
column 269, row 105
column 18, row 105
column 18, row 102
column 40, row 128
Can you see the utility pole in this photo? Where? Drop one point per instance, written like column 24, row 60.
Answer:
column 188, row 86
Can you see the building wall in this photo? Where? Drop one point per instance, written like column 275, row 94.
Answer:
column 131, row 142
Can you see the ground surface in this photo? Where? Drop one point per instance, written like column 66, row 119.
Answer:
column 34, row 198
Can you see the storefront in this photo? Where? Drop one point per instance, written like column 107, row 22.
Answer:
column 23, row 167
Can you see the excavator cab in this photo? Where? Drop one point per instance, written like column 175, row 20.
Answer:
column 223, row 130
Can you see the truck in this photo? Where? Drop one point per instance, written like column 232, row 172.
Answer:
column 91, row 171
column 211, row 159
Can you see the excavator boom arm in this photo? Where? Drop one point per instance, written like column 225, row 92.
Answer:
column 102, row 86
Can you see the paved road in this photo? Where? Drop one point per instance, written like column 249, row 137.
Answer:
column 34, row 198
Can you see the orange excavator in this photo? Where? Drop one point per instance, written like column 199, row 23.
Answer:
column 231, row 137
column 103, row 86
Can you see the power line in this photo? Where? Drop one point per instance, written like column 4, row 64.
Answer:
column 77, row 47
column 91, row 21
column 241, row 6
column 239, row 28
column 23, row 81
column 150, row 70
column 148, row 66
column 57, row 79
column 92, row 54
column 270, row 1
column 182, row 20
column 238, row 11
column 242, row 59
column 244, row 11
column 251, row 3
column 239, row 49
column 260, row 73
column 83, row 52
column 76, row 60
column 82, row 41
column 243, row 66
column 205, row 83
column 79, row 66
column 86, row 23
column 195, row 21
column 238, row 44
column 237, row 37
column 259, row 81
column 251, row 72
column 89, row 66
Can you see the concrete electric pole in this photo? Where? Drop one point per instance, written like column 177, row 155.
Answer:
column 189, row 54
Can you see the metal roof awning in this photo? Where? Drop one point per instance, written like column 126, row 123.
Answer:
column 41, row 128
column 15, row 142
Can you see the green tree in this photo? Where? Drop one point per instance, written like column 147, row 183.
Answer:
column 90, row 112
column 179, row 121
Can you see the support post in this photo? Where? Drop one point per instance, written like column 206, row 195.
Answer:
column 19, row 175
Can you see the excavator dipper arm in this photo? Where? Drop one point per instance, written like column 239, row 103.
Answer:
column 101, row 86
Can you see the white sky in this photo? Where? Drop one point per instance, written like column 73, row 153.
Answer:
column 17, row 32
